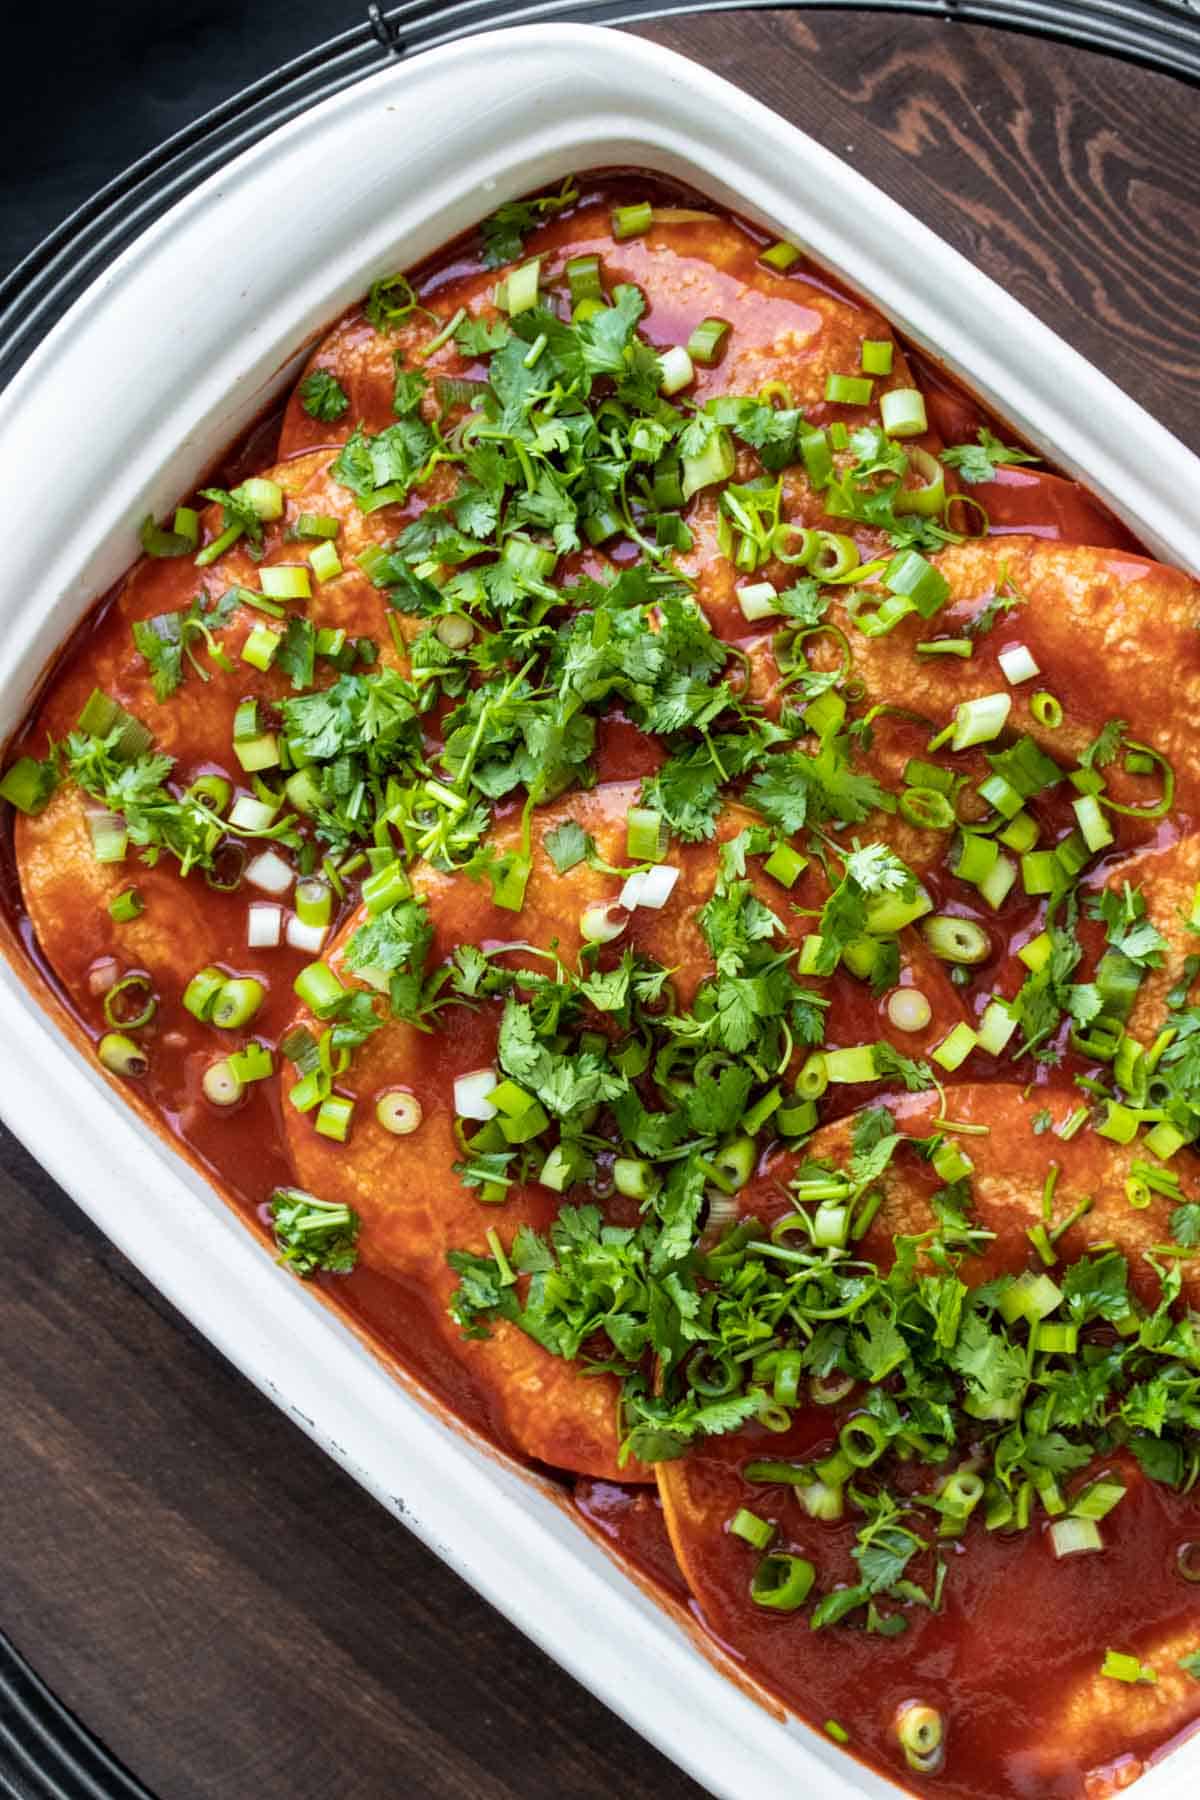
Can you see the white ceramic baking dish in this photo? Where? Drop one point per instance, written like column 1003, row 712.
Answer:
column 139, row 388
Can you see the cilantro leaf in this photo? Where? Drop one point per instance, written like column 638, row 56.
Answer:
column 505, row 230
column 567, row 845
column 322, row 396
column 979, row 461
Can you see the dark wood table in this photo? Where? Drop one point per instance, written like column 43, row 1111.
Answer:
column 216, row 1600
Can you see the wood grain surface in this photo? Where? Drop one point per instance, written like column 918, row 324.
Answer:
column 215, row 1599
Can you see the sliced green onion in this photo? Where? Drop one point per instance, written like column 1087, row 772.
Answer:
column 261, row 647
column 704, row 345
column 1164, row 1140
column 716, row 462
column 386, row 887
column 185, row 535
column 848, row 390
column 28, row 785
column 960, row 1494
column 922, row 1735
column 245, row 721
column 262, row 496
column 977, row 857
column 201, row 992
column 583, row 279
column 325, row 562
column 767, row 1474
column 928, row 499
column 1119, row 1667
column 782, row 1583
column 781, row 256
column 127, row 906
column 120, row 1055
column 632, row 221
column 603, row 922
column 645, row 834
column 995, row 1027
column 221, row 1085
column 833, row 556
column 253, row 1062
column 1097, row 833
column 314, row 901
column 797, row 1121
column 1187, row 1561
column 213, row 790
column 863, row 1440
column 1040, row 872
column 902, row 412
column 909, row 1009
column 1021, row 832
column 1001, row 795
column 675, row 370
column 758, row 600
column 316, row 525
column 876, row 356
column 270, row 872
column 785, row 865
column 1099, row 1497
column 998, row 882
column 131, row 1003
column 1046, row 710
column 285, row 581
column 889, row 913
column 854, row 1064
column 954, row 1049
column 334, row 1117
column 319, row 988
column 1059, row 1340
column 633, row 1177
column 956, row 940
column 813, row 1077
column 399, row 1112
column 235, row 1002
column 109, row 835
column 1120, row 1123
column 979, row 721
column 911, row 575
column 962, row 647
column 751, row 1529
column 258, row 753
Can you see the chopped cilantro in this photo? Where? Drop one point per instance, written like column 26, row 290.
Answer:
column 322, row 396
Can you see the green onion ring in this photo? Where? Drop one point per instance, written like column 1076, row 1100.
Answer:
column 131, row 986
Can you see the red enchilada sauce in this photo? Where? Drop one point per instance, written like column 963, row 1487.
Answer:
column 1007, row 1645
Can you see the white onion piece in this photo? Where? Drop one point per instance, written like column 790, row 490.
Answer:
column 399, row 1112
column 103, row 975
column 306, row 937
column 1018, row 664
column 471, row 1094
column 221, row 1085
column 909, row 1009
column 249, row 814
column 264, row 922
column 270, row 872
column 650, row 887
column 758, row 600
column 601, row 923
column 677, row 369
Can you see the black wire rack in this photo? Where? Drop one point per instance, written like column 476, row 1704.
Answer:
column 1164, row 34
column 45, row 1752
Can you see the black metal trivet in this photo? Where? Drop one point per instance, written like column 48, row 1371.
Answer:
column 45, row 1753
